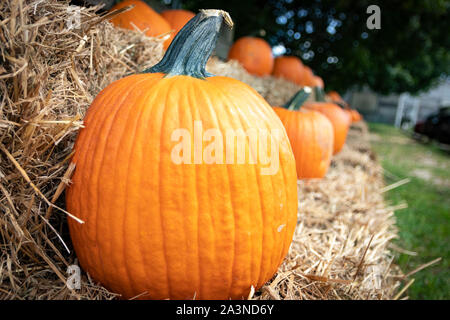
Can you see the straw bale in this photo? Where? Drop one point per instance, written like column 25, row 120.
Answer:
column 341, row 245
column 275, row 91
column 51, row 69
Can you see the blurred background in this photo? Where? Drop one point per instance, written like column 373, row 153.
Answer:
column 396, row 75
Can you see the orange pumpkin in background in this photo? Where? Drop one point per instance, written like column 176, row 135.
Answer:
column 336, row 98
column 144, row 18
column 159, row 224
column 290, row 68
column 311, row 136
column 356, row 116
column 255, row 55
column 339, row 119
column 349, row 114
column 308, row 77
column 177, row 18
column 318, row 82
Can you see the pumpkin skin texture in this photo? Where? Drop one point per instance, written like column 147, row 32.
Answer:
column 178, row 231
column 143, row 17
column 311, row 136
column 254, row 54
column 177, row 18
column 290, row 68
column 338, row 118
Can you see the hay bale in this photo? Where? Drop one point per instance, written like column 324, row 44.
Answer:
column 275, row 91
column 341, row 245
column 49, row 74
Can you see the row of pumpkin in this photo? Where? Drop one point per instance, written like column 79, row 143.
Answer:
column 255, row 54
column 304, row 125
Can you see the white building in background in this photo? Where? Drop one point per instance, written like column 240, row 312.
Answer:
column 400, row 110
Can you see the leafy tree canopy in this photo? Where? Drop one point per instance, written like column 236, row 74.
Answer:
column 409, row 53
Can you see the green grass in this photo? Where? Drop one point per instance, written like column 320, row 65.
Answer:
column 424, row 225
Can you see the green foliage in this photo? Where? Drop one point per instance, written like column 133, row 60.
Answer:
column 424, row 225
column 409, row 53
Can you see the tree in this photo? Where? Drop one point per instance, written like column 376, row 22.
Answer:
column 409, row 53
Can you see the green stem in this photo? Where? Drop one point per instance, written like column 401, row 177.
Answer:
column 298, row 99
column 192, row 46
column 320, row 94
column 339, row 104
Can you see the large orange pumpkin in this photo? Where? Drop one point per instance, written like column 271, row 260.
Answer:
column 311, row 136
column 338, row 118
column 290, row 68
column 177, row 18
column 254, row 54
column 158, row 224
column 143, row 17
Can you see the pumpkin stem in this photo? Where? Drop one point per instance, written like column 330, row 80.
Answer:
column 298, row 99
column 193, row 45
column 340, row 104
column 319, row 94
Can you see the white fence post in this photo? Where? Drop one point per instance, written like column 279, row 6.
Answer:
column 400, row 108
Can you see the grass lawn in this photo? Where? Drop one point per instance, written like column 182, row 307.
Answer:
column 424, row 225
